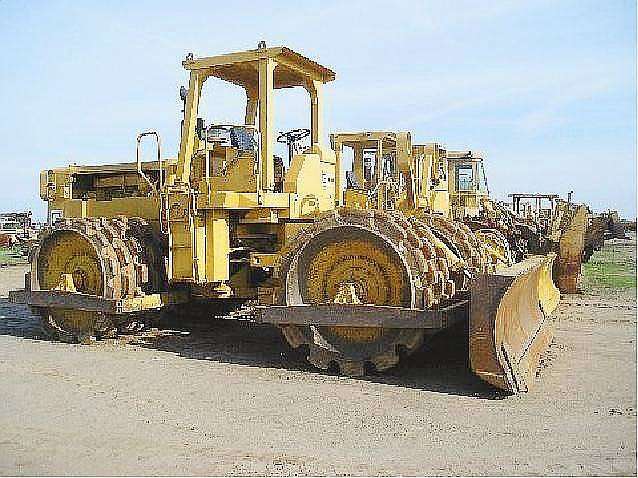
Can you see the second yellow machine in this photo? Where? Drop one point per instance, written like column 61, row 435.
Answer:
column 358, row 273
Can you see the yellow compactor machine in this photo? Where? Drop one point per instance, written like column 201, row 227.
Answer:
column 534, row 224
column 358, row 269
column 562, row 225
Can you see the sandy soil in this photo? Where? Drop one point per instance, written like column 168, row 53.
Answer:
column 230, row 398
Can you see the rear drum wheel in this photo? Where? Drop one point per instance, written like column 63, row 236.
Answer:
column 104, row 257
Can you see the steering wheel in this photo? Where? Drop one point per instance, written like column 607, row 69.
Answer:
column 292, row 136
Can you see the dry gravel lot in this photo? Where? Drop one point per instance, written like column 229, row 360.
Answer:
column 230, row 398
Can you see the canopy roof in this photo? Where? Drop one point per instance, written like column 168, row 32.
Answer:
column 366, row 139
column 241, row 68
column 533, row 196
column 464, row 156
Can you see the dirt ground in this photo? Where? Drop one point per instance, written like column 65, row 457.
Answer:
column 230, row 398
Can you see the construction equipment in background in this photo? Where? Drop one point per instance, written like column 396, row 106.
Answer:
column 17, row 230
column 629, row 224
column 562, row 225
column 615, row 227
column 390, row 173
column 359, row 279
column 467, row 185
column 532, row 207
column 606, row 225
column 471, row 203
column 511, row 303
column 594, row 235
column 534, row 224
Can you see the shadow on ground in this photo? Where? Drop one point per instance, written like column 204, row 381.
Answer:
column 441, row 365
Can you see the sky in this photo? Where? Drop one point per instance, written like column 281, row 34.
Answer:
column 545, row 89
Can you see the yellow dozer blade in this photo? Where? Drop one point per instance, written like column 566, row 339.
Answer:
column 510, row 322
column 570, row 252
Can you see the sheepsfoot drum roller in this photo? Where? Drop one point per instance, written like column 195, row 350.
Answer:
column 362, row 257
column 415, row 270
column 79, row 260
column 533, row 223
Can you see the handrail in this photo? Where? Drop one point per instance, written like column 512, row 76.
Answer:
column 159, row 158
column 162, row 176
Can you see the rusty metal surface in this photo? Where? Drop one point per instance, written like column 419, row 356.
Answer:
column 510, row 322
column 85, row 302
column 359, row 315
column 72, row 300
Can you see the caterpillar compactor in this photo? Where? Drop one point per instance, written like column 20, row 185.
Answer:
column 533, row 223
column 468, row 184
column 562, row 228
column 358, row 275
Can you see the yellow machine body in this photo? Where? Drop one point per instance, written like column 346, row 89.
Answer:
column 360, row 269
column 218, row 194
column 563, row 225
column 389, row 172
column 467, row 184
column 511, row 322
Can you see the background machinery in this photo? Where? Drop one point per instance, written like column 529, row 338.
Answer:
column 533, row 223
column 561, row 227
column 358, row 275
column 602, row 226
column 467, row 185
column 17, row 230
column 615, row 227
column 509, row 302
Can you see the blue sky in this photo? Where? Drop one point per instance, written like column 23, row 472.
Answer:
column 547, row 89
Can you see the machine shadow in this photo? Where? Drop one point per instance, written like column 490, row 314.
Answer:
column 439, row 366
column 18, row 321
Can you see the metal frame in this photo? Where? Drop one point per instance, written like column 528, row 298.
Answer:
column 357, row 315
column 75, row 300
